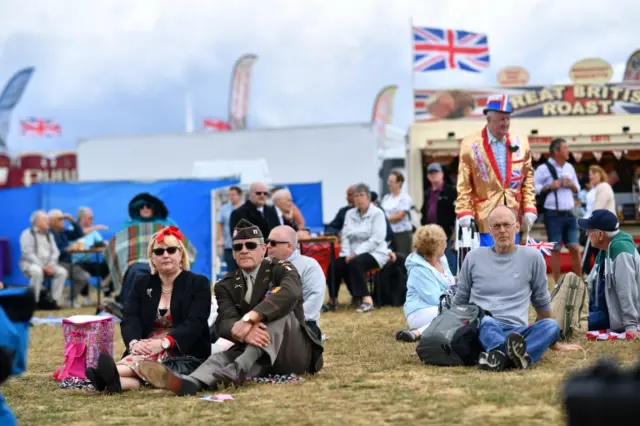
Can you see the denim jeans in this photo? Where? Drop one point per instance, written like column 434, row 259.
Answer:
column 539, row 336
column 452, row 257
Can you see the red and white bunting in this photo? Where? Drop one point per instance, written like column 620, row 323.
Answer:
column 597, row 155
column 617, row 154
column 577, row 156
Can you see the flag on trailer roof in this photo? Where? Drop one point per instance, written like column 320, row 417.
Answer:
column 544, row 247
column 39, row 127
column 215, row 124
column 437, row 49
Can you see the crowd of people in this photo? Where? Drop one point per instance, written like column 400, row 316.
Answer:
column 270, row 301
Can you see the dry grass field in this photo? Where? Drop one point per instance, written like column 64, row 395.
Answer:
column 368, row 378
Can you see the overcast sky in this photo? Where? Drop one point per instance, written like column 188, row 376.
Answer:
column 108, row 68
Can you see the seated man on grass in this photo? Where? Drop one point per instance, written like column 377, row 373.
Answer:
column 502, row 280
column 614, row 287
column 260, row 310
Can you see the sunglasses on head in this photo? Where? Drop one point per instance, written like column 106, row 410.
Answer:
column 274, row 243
column 250, row 245
column 159, row 251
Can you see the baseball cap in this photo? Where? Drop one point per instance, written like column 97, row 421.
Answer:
column 600, row 220
column 434, row 167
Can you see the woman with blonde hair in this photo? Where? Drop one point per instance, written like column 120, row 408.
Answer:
column 165, row 318
column 600, row 196
column 428, row 277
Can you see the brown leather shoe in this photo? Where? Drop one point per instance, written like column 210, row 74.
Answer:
column 162, row 377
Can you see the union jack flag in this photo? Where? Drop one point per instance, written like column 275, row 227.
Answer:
column 215, row 124
column 516, row 179
column 544, row 247
column 440, row 49
column 39, row 127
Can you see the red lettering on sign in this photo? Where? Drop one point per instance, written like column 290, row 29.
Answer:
column 600, row 138
column 542, row 140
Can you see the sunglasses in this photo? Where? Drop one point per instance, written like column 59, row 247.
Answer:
column 250, row 245
column 145, row 206
column 274, row 243
column 265, row 193
column 159, row 251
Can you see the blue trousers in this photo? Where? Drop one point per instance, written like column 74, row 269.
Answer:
column 486, row 240
column 539, row 336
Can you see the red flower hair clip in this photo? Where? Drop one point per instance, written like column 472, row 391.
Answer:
column 170, row 230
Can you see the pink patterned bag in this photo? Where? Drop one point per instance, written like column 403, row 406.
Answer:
column 85, row 337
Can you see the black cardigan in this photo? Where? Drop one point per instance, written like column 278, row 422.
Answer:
column 190, row 308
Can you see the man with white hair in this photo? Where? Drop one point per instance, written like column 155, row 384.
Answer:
column 283, row 203
column 614, row 281
column 283, row 243
column 495, row 169
column 39, row 259
column 256, row 210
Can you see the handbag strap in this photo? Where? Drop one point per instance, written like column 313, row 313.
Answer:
column 72, row 351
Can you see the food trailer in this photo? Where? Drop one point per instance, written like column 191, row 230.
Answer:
column 601, row 124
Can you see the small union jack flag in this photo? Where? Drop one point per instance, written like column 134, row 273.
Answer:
column 440, row 49
column 543, row 246
column 39, row 127
column 215, row 124
column 516, row 179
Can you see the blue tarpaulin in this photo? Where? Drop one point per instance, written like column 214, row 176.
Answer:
column 188, row 201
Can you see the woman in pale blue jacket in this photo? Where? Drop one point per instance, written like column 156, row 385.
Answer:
column 428, row 277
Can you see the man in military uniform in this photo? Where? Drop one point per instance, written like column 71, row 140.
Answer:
column 260, row 310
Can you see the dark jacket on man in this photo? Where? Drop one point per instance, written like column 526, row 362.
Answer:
column 190, row 308
column 277, row 292
column 265, row 221
column 445, row 209
column 335, row 227
column 64, row 238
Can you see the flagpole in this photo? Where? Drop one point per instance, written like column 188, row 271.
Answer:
column 409, row 153
column 412, row 62
column 188, row 113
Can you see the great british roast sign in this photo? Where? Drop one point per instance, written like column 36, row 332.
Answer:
column 530, row 101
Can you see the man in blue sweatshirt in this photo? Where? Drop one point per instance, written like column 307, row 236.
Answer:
column 502, row 280
column 614, row 281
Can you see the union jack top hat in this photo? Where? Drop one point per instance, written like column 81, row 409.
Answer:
column 500, row 103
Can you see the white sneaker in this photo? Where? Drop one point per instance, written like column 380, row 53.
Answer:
column 86, row 301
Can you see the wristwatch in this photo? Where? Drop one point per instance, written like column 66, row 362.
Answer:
column 165, row 343
column 247, row 318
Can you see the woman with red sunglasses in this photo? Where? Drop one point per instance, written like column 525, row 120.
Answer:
column 165, row 318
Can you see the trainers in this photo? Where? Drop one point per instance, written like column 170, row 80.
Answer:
column 86, row 301
column 494, row 360
column 409, row 336
column 517, row 351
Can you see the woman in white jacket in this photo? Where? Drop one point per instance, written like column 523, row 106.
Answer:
column 428, row 277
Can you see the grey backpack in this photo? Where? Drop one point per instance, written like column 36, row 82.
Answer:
column 452, row 337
